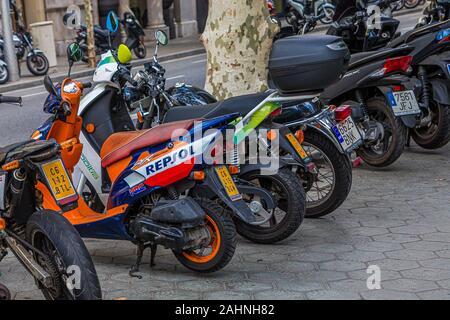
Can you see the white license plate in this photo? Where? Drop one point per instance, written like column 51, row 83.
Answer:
column 348, row 134
column 403, row 103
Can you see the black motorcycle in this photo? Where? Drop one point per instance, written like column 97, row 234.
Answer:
column 37, row 62
column 359, row 29
column 435, row 11
column 430, row 81
column 43, row 241
column 135, row 35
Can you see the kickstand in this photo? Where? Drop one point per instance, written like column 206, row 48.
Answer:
column 153, row 248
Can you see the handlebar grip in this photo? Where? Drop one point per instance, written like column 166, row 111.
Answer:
column 6, row 99
column 86, row 85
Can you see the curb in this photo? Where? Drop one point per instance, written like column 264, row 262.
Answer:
column 89, row 72
column 403, row 12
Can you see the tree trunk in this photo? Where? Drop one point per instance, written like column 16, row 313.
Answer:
column 238, row 38
column 90, row 32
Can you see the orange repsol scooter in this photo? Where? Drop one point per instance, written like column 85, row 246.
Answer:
column 157, row 183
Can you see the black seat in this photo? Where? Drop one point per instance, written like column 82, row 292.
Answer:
column 22, row 149
column 242, row 104
column 359, row 59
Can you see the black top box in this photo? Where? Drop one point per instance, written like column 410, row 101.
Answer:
column 307, row 63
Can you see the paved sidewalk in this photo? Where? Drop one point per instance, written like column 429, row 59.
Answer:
column 396, row 218
column 177, row 48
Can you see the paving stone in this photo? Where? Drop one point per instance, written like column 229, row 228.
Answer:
column 292, row 266
column 437, row 236
column 427, row 245
column 440, row 294
column 396, row 238
column 322, row 275
column 444, row 284
column 227, row 295
column 312, row 257
column 378, row 246
column 331, row 248
column 439, row 263
column 385, row 275
column 443, row 253
column 247, row 285
column 361, row 256
column 176, row 295
column 349, row 285
column 201, row 285
column 300, row 285
column 265, row 257
column 395, row 265
column 341, row 265
column 388, row 295
column 279, row 295
column 410, row 254
column 427, row 274
column 333, row 295
column 409, row 285
column 368, row 231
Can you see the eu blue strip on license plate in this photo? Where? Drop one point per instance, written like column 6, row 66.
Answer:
column 448, row 68
column 338, row 134
column 391, row 98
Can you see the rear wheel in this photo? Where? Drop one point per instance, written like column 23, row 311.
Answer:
column 390, row 148
column 286, row 218
column 66, row 258
column 220, row 250
column 4, row 293
column 329, row 188
column 140, row 51
column 437, row 133
column 410, row 4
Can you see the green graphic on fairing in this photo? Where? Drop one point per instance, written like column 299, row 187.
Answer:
column 255, row 119
column 106, row 60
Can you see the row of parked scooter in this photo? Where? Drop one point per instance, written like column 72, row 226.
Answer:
column 149, row 181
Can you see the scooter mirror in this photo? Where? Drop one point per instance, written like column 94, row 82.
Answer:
column 124, row 54
column 48, row 84
column 112, row 22
column 161, row 37
column 74, row 53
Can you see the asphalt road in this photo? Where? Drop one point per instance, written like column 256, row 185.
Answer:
column 18, row 124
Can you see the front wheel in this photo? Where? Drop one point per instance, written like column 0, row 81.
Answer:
column 4, row 74
column 220, row 249
column 387, row 150
column 65, row 259
column 329, row 14
column 140, row 51
column 38, row 64
column 287, row 216
column 437, row 133
column 330, row 186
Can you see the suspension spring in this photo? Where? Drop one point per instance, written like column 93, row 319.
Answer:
column 362, row 101
column 425, row 97
column 234, row 158
column 172, row 193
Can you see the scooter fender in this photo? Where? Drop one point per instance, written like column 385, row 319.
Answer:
column 409, row 121
column 441, row 91
column 238, row 206
column 3, row 63
column 31, row 53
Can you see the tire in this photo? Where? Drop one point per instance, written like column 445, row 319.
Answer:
column 294, row 208
column 140, row 51
column 4, row 74
column 4, row 293
column 410, row 4
column 378, row 106
column 48, row 230
column 441, row 135
column 38, row 64
column 341, row 168
column 220, row 221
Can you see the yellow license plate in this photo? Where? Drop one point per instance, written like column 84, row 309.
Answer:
column 228, row 183
column 58, row 180
column 297, row 146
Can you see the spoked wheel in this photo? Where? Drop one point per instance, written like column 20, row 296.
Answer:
column 4, row 293
column 64, row 257
column 387, row 150
column 329, row 14
column 437, row 133
column 329, row 188
column 38, row 64
column 219, row 250
column 140, row 51
column 286, row 218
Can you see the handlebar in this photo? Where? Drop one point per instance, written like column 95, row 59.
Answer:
column 130, row 80
column 86, row 85
column 6, row 99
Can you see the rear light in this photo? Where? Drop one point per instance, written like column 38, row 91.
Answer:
column 2, row 224
column 198, row 175
column 276, row 113
column 397, row 64
column 398, row 88
column 342, row 113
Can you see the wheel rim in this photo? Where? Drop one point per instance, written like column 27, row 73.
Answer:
column 38, row 63
column 429, row 131
column 319, row 187
column 54, row 266
column 382, row 147
column 209, row 252
column 3, row 73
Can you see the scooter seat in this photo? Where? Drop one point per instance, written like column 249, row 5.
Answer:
column 121, row 145
column 241, row 104
column 18, row 150
column 359, row 59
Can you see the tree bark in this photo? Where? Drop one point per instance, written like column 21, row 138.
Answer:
column 90, row 32
column 238, row 38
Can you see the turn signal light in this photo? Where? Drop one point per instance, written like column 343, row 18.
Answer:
column 343, row 112
column 66, row 145
column 271, row 134
column 198, row 175
column 233, row 170
column 300, row 135
column 11, row 166
column 140, row 117
column 2, row 224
